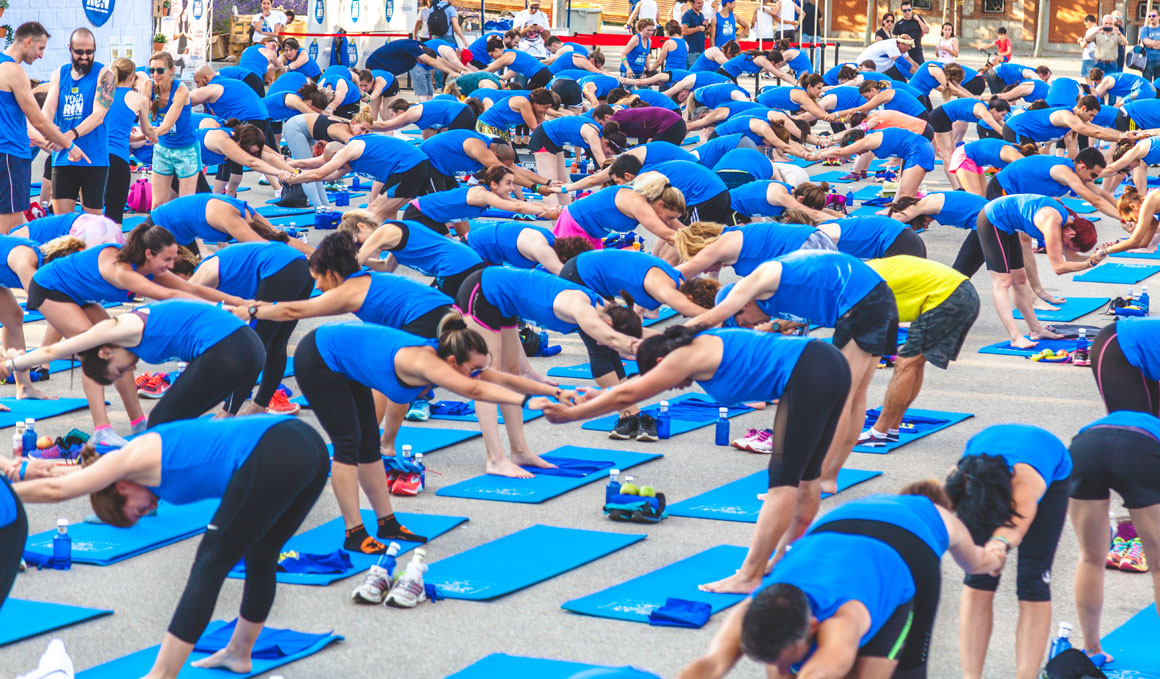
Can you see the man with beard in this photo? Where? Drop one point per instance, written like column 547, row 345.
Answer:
column 79, row 95
column 17, row 106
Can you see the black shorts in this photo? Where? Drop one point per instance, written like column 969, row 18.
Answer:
column 1002, row 250
column 569, row 92
column 1014, row 137
column 727, row 74
column 718, row 209
column 540, row 79
column 975, row 85
column 471, row 302
column 427, row 325
column 994, row 188
column 275, row 128
column 872, row 323
column 1123, row 459
column 464, row 120
column 348, row 110
column 229, row 167
column 15, row 183
column 928, row 132
column 411, row 183
column 891, row 639
column 907, row 243
column 256, row 83
column 414, row 214
column 449, row 285
column 938, row 334
column 38, row 293
column 539, row 142
column 47, row 174
column 442, row 182
column 69, row 181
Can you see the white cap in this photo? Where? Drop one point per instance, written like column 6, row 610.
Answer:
column 614, row 472
column 29, row 421
column 62, row 523
column 664, row 404
column 723, row 412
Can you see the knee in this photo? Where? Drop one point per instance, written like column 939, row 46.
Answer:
column 1033, row 582
column 982, row 583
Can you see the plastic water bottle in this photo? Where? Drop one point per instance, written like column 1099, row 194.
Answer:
column 407, row 452
column 416, row 568
column 722, row 428
column 613, row 487
column 180, row 369
column 18, row 440
column 422, row 471
column 388, row 560
column 1144, row 301
column 61, row 547
column 28, row 439
column 664, row 421
column 1062, row 640
column 1081, row 349
column 1131, row 295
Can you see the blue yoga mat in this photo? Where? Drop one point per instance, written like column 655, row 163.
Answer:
column 677, row 426
column 521, row 560
column 38, row 410
column 583, row 371
column 33, row 316
column 831, row 176
column 1005, row 348
column 425, row 439
column 910, row 434
column 302, row 220
column 102, row 544
column 327, row 538
column 1137, row 255
column 545, row 486
column 866, row 211
column 21, row 619
column 1070, row 310
column 802, row 162
column 737, row 501
column 268, row 211
column 528, row 415
column 635, row 599
column 131, row 222
column 867, row 193
column 665, row 314
column 1078, row 205
column 1116, row 272
column 138, row 664
column 1133, row 644
column 507, row 666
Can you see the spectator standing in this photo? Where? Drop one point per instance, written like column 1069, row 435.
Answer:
column 1107, row 41
column 762, row 20
column 788, row 29
column 693, row 28
column 886, row 30
column 811, row 30
column 442, row 21
column 1150, row 39
column 948, row 45
column 1088, row 55
column 532, row 16
column 267, row 23
column 643, row 9
column 913, row 25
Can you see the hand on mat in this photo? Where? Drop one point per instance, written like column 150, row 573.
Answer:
column 1049, row 298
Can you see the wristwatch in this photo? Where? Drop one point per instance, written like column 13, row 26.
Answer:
column 253, row 312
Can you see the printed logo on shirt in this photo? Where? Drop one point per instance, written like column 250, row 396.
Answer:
column 74, row 105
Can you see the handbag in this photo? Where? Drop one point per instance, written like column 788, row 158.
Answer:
column 1136, row 59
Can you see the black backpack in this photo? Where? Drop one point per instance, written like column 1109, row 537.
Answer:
column 1072, row 664
column 293, row 195
column 437, row 22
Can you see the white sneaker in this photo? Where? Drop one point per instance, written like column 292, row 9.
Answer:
column 374, row 587
column 277, row 194
column 408, row 592
column 108, row 437
column 739, row 444
column 761, row 442
column 54, row 664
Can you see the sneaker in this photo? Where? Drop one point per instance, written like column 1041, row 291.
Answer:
column 1134, row 560
column 870, row 437
column 761, row 442
column 648, row 429
column 142, row 379
column 40, row 374
column 108, row 437
column 262, row 181
column 280, row 404
column 408, row 592
column 154, row 387
column 406, row 484
column 626, row 428
column 1116, row 553
column 420, row 411
column 739, row 444
column 374, row 588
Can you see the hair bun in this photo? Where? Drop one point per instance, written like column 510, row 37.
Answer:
column 453, row 324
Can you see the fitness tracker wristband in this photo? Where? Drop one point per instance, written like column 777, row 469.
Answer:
column 253, row 313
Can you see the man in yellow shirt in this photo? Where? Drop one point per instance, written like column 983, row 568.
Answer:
column 941, row 305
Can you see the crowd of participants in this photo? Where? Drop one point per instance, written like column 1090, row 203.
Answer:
column 682, row 151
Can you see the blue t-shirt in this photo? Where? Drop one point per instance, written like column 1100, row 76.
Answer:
column 913, row 513
column 242, row 266
column 530, row 295
column 1129, row 418
column 395, row 301
column 182, row 330
column 1016, row 212
column 366, row 353
column 755, row 366
column 1140, row 341
column 692, row 19
column 498, row 242
column 819, row 285
column 607, row 272
column 1031, row 445
column 8, row 277
column 1149, row 33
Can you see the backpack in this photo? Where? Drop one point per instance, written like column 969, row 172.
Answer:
column 437, row 21
column 141, row 196
column 293, row 196
column 1072, row 664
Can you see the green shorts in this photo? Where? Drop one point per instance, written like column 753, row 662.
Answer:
column 184, row 162
column 938, row 334
column 891, row 638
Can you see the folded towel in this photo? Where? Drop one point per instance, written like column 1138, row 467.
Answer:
column 697, row 409
column 681, row 613
column 571, row 468
column 452, row 408
column 272, row 643
column 297, row 562
column 913, row 423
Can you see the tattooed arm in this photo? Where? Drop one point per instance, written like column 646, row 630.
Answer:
column 106, row 86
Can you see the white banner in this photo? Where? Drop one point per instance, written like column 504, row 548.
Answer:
column 356, row 16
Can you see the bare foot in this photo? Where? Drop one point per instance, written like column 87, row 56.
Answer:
column 531, row 460
column 1049, row 298
column 251, row 408
column 1044, row 333
column 1043, row 305
column 34, row 394
column 387, row 449
column 1023, row 343
column 537, row 377
column 507, row 468
column 734, row 584
column 829, row 485
column 227, row 659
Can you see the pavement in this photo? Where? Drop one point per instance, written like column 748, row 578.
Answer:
column 435, row 640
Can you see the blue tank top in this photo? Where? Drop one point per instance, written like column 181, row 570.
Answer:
column 450, row 206
column 637, row 57
column 820, row 285
column 497, row 242
column 739, row 125
column 387, row 76
column 1140, row 342
column 445, row 150
column 309, row 68
column 657, row 152
column 184, row 217
column 604, row 84
column 384, row 156
column 847, row 98
column 1012, row 74
column 1037, row 124
column 830, row 77
column 913, row 513
column 677, row 58
column 700, row 78
column 1125, row 83
column 598, row 215
column 779, row 98
column 751, row 161
column 438, row 113
column 713, row 150
column 366, row 353
column 254, row 61
column 395, row 301
column 200, row 456
column 609, row 271
column 46, row 228
column 208, row 155
column 922, row 80
column 182, row 330
column 237, row 100
column 1039, row 90
column 501, row 115
column 754, row 365
column 75, row 103
column 566, row 130
column 478, row 48
column 801, row 63
column 431, row 253
column 987, row 152
column 904, row 102
column 750, row 199
column 742, row 63
column 1063, row 92
column 704, row 63
column 715, row 95
column 529, row 295
column 524, row 63
column 1153, row 155
column 119, row 122
column 1033, row 175
column 1129, row 418
column 1016, row 212
column 242, row 266
column 654, row 98
column 867, row 237
column 962, row 110
column 725, row 29
column 881, row 581
column 750, row 108
column 234, row 72
column 332, row 75
column 8, row 277
column 960, row 209
column 13, row 124
column 78, row 276
column 565, row 62
column 1145, row 113
column 1106, row 117
column 277, row 108
column 697, row 182
column 1031, row 445
column 762, row 241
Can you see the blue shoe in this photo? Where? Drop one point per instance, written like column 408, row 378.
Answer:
column 420, row 411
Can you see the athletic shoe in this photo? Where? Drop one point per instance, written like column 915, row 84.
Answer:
column 281, row 405
column 262, row 181
column 406, row 484
column 374, row 588
column 420, row 411
column 761, row 442
column 154, row 387
column 407, row 593
column 739, row 444
column 648, row 429
column 626, row 428
column 142, row 379
column 1134, row 560
column 871, row 437
column 1119, row 547
column 54, row 663
column 40, row 374
column 108, row 437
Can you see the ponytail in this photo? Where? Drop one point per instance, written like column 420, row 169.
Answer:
column 696, row 237
column 624, row 319
column 456, row 339
column 146, row 237
column 655, row 347
column 108, row 503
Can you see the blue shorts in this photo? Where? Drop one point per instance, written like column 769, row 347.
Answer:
column 15, row 182
column 920, row 153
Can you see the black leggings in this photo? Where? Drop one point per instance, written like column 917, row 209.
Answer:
column 344, row 407
column 970, row 257
column 926, row 571
column 604, row 360
column 117, row 188
column 674, row 134
column 264, row 504
column 907, row 243
column 291, row 283
column 807, row 415
column 1122, row 385
column 12, row 539
column 1037, row 551
column 230, row 365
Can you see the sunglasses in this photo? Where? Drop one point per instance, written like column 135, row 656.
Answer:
column 158, row 70
column 1153, row 16
column 84, row 53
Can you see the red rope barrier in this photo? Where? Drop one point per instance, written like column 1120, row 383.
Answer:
column 620, row 40
column 375, row 34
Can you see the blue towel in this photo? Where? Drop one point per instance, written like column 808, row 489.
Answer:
column 681, row 613
column 457, row 408
column 297, row 562
column 570, row 467
column 272, row 642
column 917, row 423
